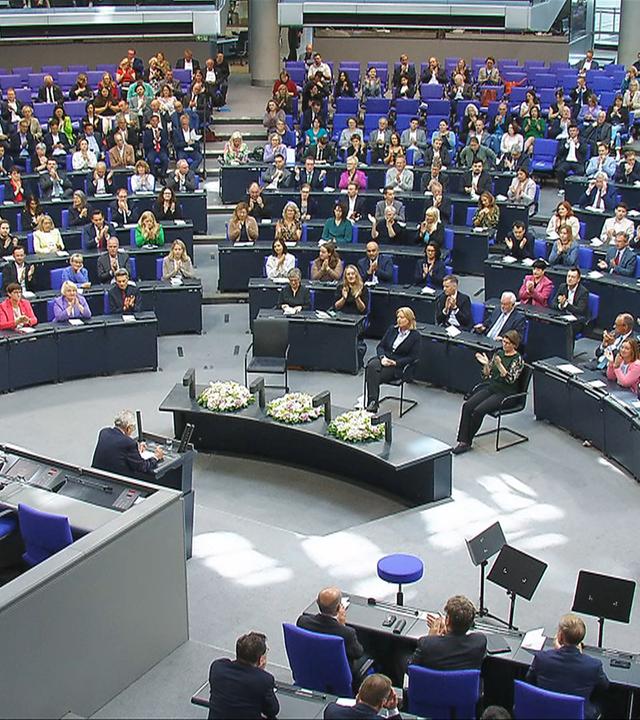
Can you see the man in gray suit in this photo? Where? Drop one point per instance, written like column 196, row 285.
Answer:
column 277, row 176
column 621, row 260
column 399, row 177
column 379, row 141
column 111, row 261
column 414, row 138
column 389, row 199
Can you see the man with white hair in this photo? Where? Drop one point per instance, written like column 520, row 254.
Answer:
column 117, row 452
column 502, row 319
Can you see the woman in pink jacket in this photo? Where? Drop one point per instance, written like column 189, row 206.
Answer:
column 536, row 288
column 625, row 367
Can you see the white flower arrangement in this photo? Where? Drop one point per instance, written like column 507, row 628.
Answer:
column 225, row 396
column 294, row 409
column 355, row 426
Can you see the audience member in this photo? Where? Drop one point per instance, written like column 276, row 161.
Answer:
column 337, row 229
column 294, row 297
column 374, row 695
column 355, row 205
column 17, row 271
column 289, row 226
column 280, row 262
column 487, row 215
column 277, row 175
column 328, row 266
column 565, row 249
column 242, row 688
column 177, row 264
column 504, row 318
column 15, row 311
column 96, row 233
column 572, row 154
column 124, row 296
column 431, row 228
column 563, row 217
column 121, row 212
column 566, row 669
column 47, row 238
column 352, row 175
column 536, row 289
column 387, row 230
column 573, row 298
column 111, row 261
column 389, row 201
column 399, row 177
column 257, row 204
column 242, row 227
column 142, row 181
column 453, row 307
column 619, row 223
column 621, row 259
column 148, row 231
column 76, row 272
column 310, row 175
column 519, row 241
column 70, row 305
column 430, row 270
column 375, row 268
column 166, row 206
column 613, row 339
column 54, row 183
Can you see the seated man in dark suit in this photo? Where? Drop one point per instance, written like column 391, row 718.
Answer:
column 375, row 267
column 331, row 620
column 309, row 175
column 183, row 179
column 599, row 194
column 376, row 693
column 573, row 298
column 477, row 180
column 124, row 296
column 18, row 271
column 242, row 688
column 97, row 232
column 117, row 452
column 54, row 184
column 449, row 645
column 502, row 319
column 122, row 211
column 453, row 307
column 565, row 669
column 621, row 260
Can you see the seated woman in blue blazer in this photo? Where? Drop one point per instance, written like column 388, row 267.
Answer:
column 430, row 270
column 399, row 347
column 70, row 304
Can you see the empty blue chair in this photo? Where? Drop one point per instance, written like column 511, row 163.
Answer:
column 55, row 277
column 544, row 155
column 439, row 107
column 159, row 262
column 477, row 313
column 371, row 122
column 431, row 91
column 106, row 67
column 43, row 111
column 594, row 307
column 533, row 703
column 347, row 105
column 585, row 258
column 75, row 109
column 77, row 68
column 540, row 248
column 66, row 80
column 400, row 569
column 518, row 94
column 402, row 122
column 394, row 274
column 339, row 123
column 471, row 211
column 30, row 246
column 443, row 693
column 318, row 662
column 24, row 95
column 54, row 70
column 448, row 238
column 546, row 81
column 133, row 268
column 44, row 534
column 407, row 107
column 377, row 106
column 36, row 80
column 23, row 72
column 533, row 64
column 182, row 76
column 50, row 313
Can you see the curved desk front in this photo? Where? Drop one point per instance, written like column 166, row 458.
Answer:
column 414, row 468
column 100, row 346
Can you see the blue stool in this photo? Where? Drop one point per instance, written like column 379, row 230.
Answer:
column 400, row 569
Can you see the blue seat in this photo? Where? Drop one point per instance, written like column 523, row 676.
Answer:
column 65, row 219
column 159, row 262
column 533, row 703
column 585, row 258
column 377, row 106
column 50, row 313
column 55, row 276
column 431, row 91
column 44, row 534
column 400, row 569
column 544, row 155
column 468, row 220
column 347, row 105
column 540, row 248
column 318, row 662
column 394, row 274
column 133, row 268
column 8, row 523
column 448, row 238
column 477, row 313
column 407, row 107
column 443, row 693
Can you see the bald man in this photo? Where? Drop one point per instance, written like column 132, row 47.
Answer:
column 331, row 620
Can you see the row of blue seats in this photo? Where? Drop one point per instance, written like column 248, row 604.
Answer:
column 25, row 78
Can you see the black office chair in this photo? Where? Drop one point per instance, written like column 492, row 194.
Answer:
column 407, row 376
column 511, row 404
column 270, row 350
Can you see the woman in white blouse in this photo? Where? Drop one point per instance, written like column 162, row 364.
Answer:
column 511, row 140
column 47, row 238
column 83, row 158
column 563, row 216
column 280, row 261
column 631, row 99
column 143, row 180
column 522, row 188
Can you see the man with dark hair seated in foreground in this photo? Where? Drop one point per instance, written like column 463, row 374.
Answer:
column 375, row 694
column 448, row 646
column 242, row 688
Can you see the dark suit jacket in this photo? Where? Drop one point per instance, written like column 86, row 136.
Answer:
column 450, row 652
column 118, row 218
column 307, row 119
column 10, row 275
column 46, row 185
column 89, row 235
column 580, row 307
column 118, row 453
column 463, row 315
column 588, row 198
column 484, row 181
column 316, row 183
column 302, row 298
column 241, row 691
column 627, row 265
column 333, row 711
column 115, row 298
column 14, row 145
column 360, row 207
column 441, row 76
column 57, row 94
column 330, row 626
column 328, row 153
column 104, row 265
column 410, row 72
column 621, row 175
column 405, row 353
column 147, row 139
column 568, row 671
column 180, row 64
column 581, row 152
column 189, row 181
column 384, row 272
column 47, row 138
column 515, row 321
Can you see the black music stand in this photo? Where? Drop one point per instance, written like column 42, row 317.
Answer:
column 604, row 597
column 481, row 548
column 518, row 573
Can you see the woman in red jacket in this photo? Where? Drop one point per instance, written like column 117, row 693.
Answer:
column 15, row 312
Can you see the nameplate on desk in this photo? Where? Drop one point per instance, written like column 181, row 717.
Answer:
column 569, row 317
column 634, row 213
column 176, row 281
column 267, row 221
column 570, row 369
column 597, row 384
column 594, row 275
column 28, row 294
column 596, row 242
column 243, row 244
column 528, row 262
column 322, row 315
column 129, row 318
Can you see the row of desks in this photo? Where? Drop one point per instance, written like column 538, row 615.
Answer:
column 101, row 346
column 549, row 331
column 178, row 308
column 617, row 294
column 194, row 207
column 591, row 408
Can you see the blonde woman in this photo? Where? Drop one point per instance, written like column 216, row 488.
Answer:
column 47, row 238
column 631, row 98
column 289, row 227
column 177, row 264
column 149, row 231
column 488, row 213
column 236, row 150
column 353, row 296
column 242, row 227
column 431, row 229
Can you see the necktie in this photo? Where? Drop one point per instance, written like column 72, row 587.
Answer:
column 156, row 141
column 616, row 259
column 599, row 199
column 50, row 95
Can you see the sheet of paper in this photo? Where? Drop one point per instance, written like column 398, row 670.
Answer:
column 428, row 291
column 597, row 384
column 569, row 317
column 346, row 702
column 570, row 369
column 594, row 275
column 147, row 455
column 328, row 189
column 509, row 259
column 596, row 242
column 243, row 244
column 534, row 639
column 501, row 197
column 179, row 222
column 61, row 253
column 75, row 321
column 128, row 318
column 528, row 262
column 633, row 213
column 26, row 330
column 28, row 294
column 266, row 221
column 452, row 331
column 322, row 315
